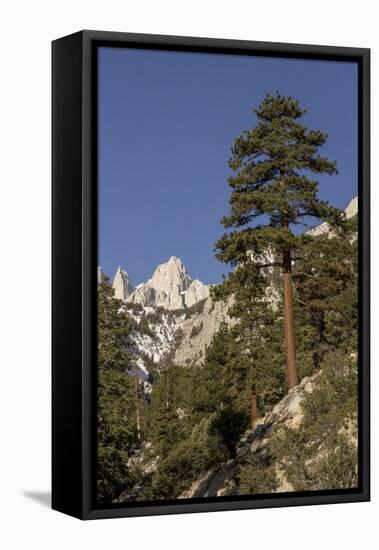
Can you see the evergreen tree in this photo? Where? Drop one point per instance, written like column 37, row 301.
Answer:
column 164, row 418
column 219, row 388
column 220, row 380
column 271, row 194
column 117, row 423
column 326, row 297
column 255, row 333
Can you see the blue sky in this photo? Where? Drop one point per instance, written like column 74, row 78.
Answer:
column 167, row 121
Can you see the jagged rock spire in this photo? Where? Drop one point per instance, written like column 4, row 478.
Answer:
column 121, row 284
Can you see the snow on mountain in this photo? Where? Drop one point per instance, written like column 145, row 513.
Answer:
column 155, row 339
column 159, row 309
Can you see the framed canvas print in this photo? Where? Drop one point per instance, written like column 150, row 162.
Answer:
column 210, row 275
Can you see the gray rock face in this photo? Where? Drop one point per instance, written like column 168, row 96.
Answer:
column 170, row 287
column 196, row 292
column 121, row 284
column 171, row 277
column 323, row 229
column 191, row 349
column 352, row 208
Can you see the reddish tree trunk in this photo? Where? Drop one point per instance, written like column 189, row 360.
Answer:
column 289, row 325
column 138, row 418
column 253, row 405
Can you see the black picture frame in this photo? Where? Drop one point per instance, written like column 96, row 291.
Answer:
column 74, row 205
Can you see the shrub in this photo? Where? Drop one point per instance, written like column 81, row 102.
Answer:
column 112, row 473
column 257, row 477
column 188, row 460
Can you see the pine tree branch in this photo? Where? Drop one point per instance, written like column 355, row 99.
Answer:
column 302, row 274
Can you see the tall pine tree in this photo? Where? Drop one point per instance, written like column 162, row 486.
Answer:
column 272, row 192
column 117, row 424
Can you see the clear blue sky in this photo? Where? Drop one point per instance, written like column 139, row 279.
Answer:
column 167, row 121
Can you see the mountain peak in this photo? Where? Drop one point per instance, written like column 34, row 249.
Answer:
column 170, row 287
column 171, row 276
column 122, row 270
column 175, row 260
column 173, row 263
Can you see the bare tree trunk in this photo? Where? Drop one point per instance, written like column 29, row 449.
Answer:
column 289, row 321
column 138, row 417
column 253, row 405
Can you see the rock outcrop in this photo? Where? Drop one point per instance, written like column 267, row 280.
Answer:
column 121, row 284
column 352, row 208
column 324, row 229
column 196, row 292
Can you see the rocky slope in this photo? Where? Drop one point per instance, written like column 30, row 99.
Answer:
column 288, row 412
column 157, row 331
column 198, row 330
column 183, row 335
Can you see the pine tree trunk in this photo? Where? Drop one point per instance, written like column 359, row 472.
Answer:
column 253, row 405
column 289, row 321
column 138, row 417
